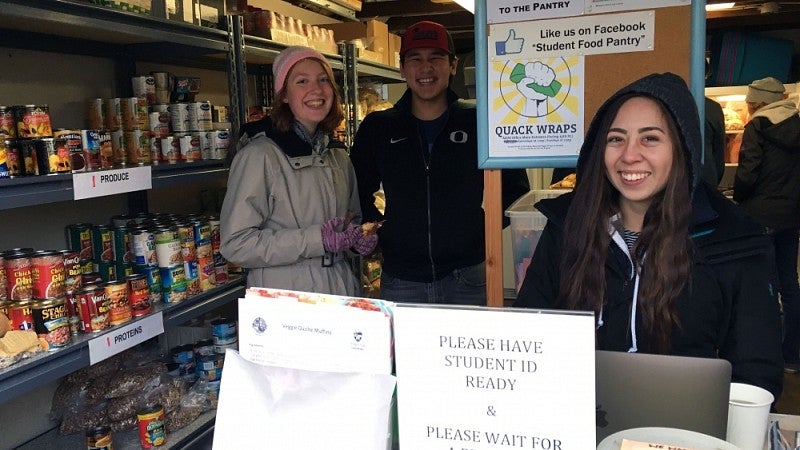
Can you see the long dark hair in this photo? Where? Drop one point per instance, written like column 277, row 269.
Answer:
column 282, row 115
column 663, row 246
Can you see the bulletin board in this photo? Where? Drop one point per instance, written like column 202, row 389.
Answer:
column 665, row 36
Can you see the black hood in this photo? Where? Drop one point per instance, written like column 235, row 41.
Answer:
column 673, row 92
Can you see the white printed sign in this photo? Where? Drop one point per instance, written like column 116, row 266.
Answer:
column 109, row 182
column 605, row 6
column 332, row 338
column 500, row 11
column 124, row 337
column 586, row 35
column 480, row 379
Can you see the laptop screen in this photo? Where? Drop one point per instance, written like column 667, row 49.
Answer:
column 634, row 390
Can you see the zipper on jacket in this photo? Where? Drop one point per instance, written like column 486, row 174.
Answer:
column 427, row 164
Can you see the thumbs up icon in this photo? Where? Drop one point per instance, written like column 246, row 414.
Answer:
column 510, row 46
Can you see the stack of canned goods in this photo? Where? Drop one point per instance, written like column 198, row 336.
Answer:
column 34, row 295
column 27, row 144
column 223, row 332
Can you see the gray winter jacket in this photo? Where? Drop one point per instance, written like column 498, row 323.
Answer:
column 278, row 196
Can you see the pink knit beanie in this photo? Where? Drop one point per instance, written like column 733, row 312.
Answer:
column 287, row 59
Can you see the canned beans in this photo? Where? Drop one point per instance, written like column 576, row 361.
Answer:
column 50, row 321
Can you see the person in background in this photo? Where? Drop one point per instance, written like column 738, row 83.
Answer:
column 424, row 151
column 767, row 186
column 684, row 271
column 291, row 209
column 713, row 143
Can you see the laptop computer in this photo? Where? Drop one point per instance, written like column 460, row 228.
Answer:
column 635, row 390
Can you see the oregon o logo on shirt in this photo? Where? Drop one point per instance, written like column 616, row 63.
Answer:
column 459, row 137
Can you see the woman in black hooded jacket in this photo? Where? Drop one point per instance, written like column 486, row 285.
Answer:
column 686, row 272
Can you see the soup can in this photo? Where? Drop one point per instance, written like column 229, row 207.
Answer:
column 8, row 123
column 143, row 243
column 51, row 322
column 48, row 274
column 221, row 273
column 102, row 243
column 19, row 279
column 139, row 294
column 168, row 247
column 20, row 315
column 93, row 308
column 95, row 114
column 113, row 113
column 119, row 307
column 99, row 438
column 33, row 121
column 152, row 431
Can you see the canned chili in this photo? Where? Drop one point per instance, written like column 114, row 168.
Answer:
column 139, row 294
column 79, row 238
column 119, row 308
column 72, row 270
column 19, row 280
column 152, row 432
column 102, row 243
column 48, row 274
column 121, row 244
column 50, row 321
column 72, row 312
column 93, row 308
column 4, row 305
column 99, row 438
column 20, row 315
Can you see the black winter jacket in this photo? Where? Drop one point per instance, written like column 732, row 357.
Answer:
column 767, row 183
column 723, row 313
column 434, row 218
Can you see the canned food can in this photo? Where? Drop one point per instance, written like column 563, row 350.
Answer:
column 33, row 121
column 208, row 274
column 72, row 312
column 173, row 284
column 213, row 222
column 72, row 270
column 92, row 277
column 159, row 123
column 222, row 348
column 223, row 327
column 99, row 438
column 144, row 247
column 183, row 354
column 225, row 340
column 121, row 220
column 8, row 123
column 153, row 275
column 221, row 273
column 123, row 269
column 121, row 245
column 171, row 149
column 119, row 307
column 192, row 276
column 200, row 115
column 102, row 243
column 163, row 80
column 218, row 142
column 155, row 150
column 144, row 87
column 204, row 348
column 19, row 279
column 4, row 171
column 14, row 160
column 137, row 147
column 209, row 374
column 68, row 145
column 29, row 166
column 118, row 147
column 113, row 113
column 86, row 266
column 152, row 431
column 168, row 252
column 139, row 294
column 179, row 117
column 5, row 305
column 92, row 142
column 51, row 322
column 51, row 159
column 189, row 147
column 48, row 274
column 107, row 270
column 20, row 315
column 95, row 113
column 202, row 144
column 79, row 239
column 93, row 308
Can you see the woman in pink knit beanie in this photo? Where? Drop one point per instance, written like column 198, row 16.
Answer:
column 291, row 212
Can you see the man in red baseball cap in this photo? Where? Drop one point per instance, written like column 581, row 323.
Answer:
column 424, row 152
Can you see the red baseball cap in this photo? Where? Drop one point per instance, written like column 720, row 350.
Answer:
column 427, row 34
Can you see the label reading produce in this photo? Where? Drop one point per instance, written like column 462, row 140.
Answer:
column 125, row 337
column 109, row 182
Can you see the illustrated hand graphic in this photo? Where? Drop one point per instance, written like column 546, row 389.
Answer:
column 510, row 46
column 535, row 80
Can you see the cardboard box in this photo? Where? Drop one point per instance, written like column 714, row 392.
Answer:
column 374, row 33
column 395, row 41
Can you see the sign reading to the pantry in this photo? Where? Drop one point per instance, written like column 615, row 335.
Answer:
column 480, row 379
column 109, row 182
column 122, row 338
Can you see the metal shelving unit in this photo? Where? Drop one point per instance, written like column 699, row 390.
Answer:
column 30, row 373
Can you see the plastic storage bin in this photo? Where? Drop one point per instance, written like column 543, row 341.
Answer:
column 526, row 227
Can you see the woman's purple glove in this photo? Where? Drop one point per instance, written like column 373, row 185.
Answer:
column 335, row 241
column 365, row 245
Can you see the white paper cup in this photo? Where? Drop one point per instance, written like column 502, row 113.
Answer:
column 748, row 416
